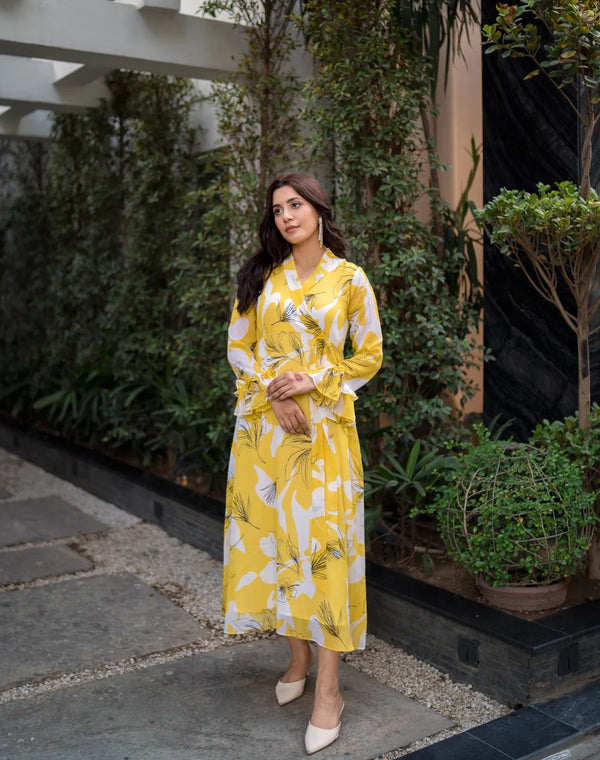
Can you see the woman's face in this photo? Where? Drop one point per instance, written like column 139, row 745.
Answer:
column 295, row 218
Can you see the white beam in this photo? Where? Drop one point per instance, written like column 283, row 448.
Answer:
column 18, row 111
column 76, row 74
column 34, row 126
column 161, row 5
column 110, row 35
column 24, row 81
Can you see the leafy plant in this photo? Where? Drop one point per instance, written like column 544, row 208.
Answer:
column 365, row 104
column 110, row 284
column 25, row 271
column 401, row 488
column 461, row 235
column 580, row 444
column 258, row 115
column 553, row 234
column 514, row 513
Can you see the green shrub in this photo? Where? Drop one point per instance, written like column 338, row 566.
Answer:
column 113, row 310
column 514, row 513
column 368, row 104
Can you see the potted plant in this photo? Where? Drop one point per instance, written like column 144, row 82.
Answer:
column 517, row 517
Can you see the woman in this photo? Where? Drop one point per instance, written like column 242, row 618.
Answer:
column 294, row 544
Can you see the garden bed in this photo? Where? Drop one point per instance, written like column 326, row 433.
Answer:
column 515, row 659
column 453, row 577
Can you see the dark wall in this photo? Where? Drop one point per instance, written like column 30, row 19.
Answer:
column 530, row 135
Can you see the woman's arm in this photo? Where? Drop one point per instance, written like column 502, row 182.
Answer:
column 251, row 382
column 348, row 375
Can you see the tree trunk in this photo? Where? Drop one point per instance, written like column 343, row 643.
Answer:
column 594, row 558
column 266, row 105
column 584, row 389
column 122, row 211
column 589, row 122
column 583, row 366
column 373, row 257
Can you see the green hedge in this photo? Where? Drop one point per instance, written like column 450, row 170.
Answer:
column 113, row 311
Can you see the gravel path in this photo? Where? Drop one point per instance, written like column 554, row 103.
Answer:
column 191, row 579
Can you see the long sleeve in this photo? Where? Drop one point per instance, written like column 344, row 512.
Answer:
column 251, row 381
column 349, row 374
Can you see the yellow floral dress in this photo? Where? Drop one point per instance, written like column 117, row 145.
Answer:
column 294, row 525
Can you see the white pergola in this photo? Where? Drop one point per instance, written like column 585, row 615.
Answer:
column 55, row 53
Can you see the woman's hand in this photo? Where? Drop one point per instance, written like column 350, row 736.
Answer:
column 289, row 384
column 290, row 416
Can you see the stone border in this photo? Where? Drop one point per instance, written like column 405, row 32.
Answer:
column 528, row 734
column 195, row 519
column 513, row 660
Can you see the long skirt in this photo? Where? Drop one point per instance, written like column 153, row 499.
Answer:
column 294, row 532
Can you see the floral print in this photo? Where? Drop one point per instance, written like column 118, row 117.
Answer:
column 294, row 527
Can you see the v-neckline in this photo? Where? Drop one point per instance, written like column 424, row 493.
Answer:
column 299, row 291
column 310, row 280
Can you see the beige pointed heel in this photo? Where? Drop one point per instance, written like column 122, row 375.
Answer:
column 316, row 739
column 288, row 692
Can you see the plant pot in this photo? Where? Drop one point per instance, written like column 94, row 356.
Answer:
column 525, row 598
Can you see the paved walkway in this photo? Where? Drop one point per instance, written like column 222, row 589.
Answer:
column 103, row 666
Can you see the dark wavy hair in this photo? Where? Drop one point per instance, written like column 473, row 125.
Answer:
column 274, row 249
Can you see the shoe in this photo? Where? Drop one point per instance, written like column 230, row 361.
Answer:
column 288, row 692
column 319, row 738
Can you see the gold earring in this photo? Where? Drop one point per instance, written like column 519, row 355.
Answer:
column 321, row 231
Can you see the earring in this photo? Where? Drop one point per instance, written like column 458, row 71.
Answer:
column 321, row 231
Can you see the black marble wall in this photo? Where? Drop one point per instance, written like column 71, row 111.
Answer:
column 530, row 135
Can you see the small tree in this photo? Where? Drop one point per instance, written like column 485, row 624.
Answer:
column 554, row 235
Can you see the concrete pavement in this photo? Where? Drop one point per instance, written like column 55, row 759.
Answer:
column 73, row 630
column 101, row 665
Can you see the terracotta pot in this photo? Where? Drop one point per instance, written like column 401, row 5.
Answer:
column 525, row 598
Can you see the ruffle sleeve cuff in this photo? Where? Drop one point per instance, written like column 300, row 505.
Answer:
column 334, row 394
column 251, row 395
column 328, row 386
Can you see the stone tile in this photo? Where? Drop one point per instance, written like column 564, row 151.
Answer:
column 219, row 705
column 580, row 709
column 581, row 619
column 40, row 562
column 43, row 518
column 460, row 747
column 75, row 624
column 523, row 732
